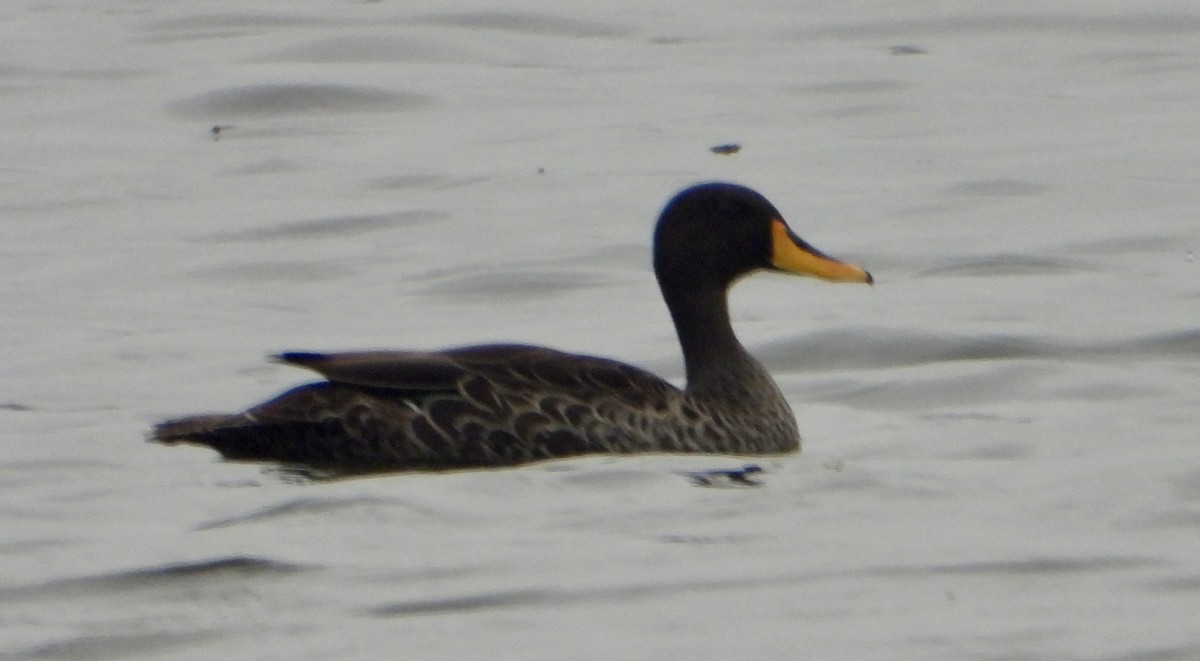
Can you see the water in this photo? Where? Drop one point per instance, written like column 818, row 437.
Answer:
column 999, row 438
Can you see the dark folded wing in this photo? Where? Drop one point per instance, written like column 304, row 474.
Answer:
column 501, row 366
column 399, row 370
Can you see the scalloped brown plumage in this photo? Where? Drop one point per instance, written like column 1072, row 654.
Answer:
column 498, row 405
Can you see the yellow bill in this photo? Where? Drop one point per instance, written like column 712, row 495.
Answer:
column 792, row 254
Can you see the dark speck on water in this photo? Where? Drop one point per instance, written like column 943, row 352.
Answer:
column 725, row 477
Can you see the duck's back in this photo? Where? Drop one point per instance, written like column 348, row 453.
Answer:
column 475, row 406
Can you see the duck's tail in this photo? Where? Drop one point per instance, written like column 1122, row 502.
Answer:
column 241, row 437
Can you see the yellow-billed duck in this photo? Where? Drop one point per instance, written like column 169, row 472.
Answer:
column 504, row 404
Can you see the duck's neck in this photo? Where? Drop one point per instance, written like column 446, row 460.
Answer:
column 723, row 379
column 714, row 359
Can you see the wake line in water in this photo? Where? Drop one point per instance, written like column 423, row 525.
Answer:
column 882, row 347
column 335, row 227
column 1043, row 566
column 314, row 506
column 227, row 568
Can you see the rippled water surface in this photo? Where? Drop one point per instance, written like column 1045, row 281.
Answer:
column 1000, row 438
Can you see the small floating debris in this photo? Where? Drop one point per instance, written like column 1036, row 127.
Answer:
column 217, row 129
column 908, row 49
column 724, row 477
column 726, row 149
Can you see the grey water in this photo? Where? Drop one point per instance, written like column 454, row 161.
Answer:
column 1000, row 447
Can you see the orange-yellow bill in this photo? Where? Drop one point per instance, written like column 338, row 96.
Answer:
column 792, row 254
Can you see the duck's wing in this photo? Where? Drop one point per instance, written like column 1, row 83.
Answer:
column 474, row 406
column 393, row 370
column 502, row 367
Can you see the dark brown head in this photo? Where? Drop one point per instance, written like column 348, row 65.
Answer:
column 713, row 233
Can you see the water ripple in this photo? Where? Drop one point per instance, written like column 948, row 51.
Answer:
column 115, row 646
column 283, row 99
column 229, row 568
column 525, row 23
column 1155, row 24
column 512, row 285
column 1041, row 566
column 360, row 49
column 988, row 266
column 882, row 347
column 333, row 227
column 876, row 348
column 486, row 600
column 283, row 271
column 299, row 506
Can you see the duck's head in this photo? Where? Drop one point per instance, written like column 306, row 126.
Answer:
column 713, row 233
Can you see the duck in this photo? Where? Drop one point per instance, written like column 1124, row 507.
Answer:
column 497, row 405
